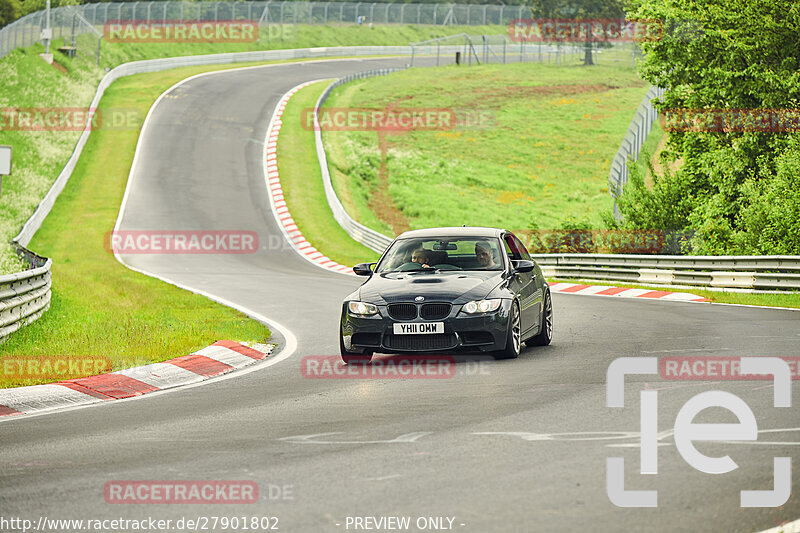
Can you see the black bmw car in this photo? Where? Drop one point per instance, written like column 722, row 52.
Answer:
column 448, row 290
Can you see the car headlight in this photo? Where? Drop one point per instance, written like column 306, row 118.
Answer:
column 362, row 308
column 481, row 306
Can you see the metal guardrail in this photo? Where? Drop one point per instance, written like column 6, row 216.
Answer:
column 358, row 232
column 24, row 296
column 775, row 272
column 632, row 143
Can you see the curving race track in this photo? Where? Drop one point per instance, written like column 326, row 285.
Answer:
column 506, row 446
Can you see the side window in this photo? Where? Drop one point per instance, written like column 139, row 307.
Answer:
column 523, row 252
column 511, row 247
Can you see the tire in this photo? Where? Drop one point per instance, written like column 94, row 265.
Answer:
column 514, row 335
column 357, row 357
column 546, row 334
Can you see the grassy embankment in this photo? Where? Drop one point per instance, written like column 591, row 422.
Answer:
column 420, row 166
column 28, row 82
column 99, row 307
column 541, row 156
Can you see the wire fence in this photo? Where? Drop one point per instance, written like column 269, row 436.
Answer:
column 70, row 32
column 632, row 143
column 482, row 49
column 69, row 21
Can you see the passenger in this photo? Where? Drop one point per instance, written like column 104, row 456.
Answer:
column 484, row 255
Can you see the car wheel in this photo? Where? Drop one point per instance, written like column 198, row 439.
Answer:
column 353, row 357
column 546, row 335
column 514, row 336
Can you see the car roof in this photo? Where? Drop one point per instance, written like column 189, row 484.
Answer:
column 458, row 231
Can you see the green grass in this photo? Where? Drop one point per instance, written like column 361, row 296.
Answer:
column 99, row 307
column 301, row 182
column 785, row 299
column 28, row 82
column 544, row 161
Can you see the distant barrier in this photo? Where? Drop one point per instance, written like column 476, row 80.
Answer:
column 358, row 232
column 769, row 272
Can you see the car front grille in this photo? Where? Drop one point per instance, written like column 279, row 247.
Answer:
column 403, row 311
column 434, row 311
column 436, row 341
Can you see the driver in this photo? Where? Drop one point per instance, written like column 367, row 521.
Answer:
column 421, row 256
column 484, row 255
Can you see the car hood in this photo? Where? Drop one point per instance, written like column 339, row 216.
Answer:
column 455, row 287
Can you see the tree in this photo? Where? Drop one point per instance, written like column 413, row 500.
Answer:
column 10, row 11
column 721, row 54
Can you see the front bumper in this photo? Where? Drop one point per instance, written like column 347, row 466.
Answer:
column 472, row 333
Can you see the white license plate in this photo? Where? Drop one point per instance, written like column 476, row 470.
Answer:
column 416, row 328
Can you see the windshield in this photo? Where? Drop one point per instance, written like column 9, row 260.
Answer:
column 469, row 253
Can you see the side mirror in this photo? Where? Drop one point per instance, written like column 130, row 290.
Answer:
column 522, row 265
column 364, row 269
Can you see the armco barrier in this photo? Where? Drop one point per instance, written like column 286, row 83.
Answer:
column 358, row 232
column 25, row 296
column 776, row 272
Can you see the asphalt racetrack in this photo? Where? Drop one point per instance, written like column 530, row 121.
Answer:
column 507, row 446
